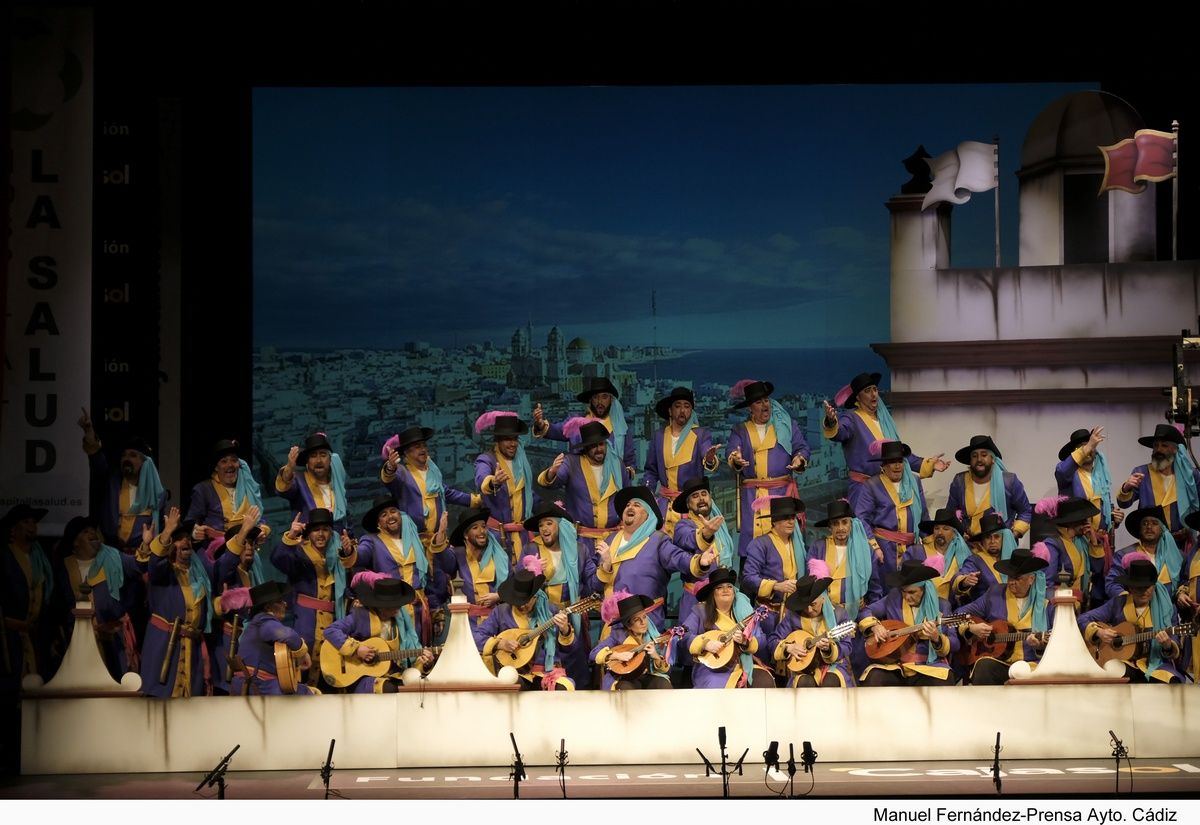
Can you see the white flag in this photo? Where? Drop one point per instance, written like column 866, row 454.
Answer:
column 959, row 172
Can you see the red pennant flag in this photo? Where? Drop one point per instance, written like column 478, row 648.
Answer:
column 1128, row 164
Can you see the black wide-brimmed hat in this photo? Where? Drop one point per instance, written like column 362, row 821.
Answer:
column 385, row 593
column 594, row 385
column 269, row 591
column 1192, row 519
column 859, row 383
column 411, row 436
column 1133, row 521
column 23, row 511
column 465, row 519
column 663, row 407
column 978, row 442
column 641, row 493
column 722, row 575
column 590, row 434
column 630, row 606
column 138, row 444
column 910, row 572
column 318, row 517
column 251, row 534
column 1075, row 510
column 1078, row 438
column 784, row 508
column 74, row 527
column 1162, row 432
column 508, row 426
column 892, row 451
column 370, row 519
column 520, row 587
column 1021, row 562
column 679, row 505
column 1041, row 527
column 1141, row 573
column 224, row 447
column 990, row 522
column 944, row 516
column 755, row 391
column 544, row 509
column 838, row 508
column 316, row 441
column 184, row 528
column 808, row 588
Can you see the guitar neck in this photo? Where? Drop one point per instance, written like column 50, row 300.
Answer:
column 406, row 653
column 1147, row 635
column 570, row 609
column 951, row 620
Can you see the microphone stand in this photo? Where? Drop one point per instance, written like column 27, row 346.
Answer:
column 217, row 775
column 561, row 756
column 1120, row 752
column 725, row 771
column 791, row 769
column 996, row 764
column 518, row 768
column 327, row 768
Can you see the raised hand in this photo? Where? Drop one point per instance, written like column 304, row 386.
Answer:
column 539, row 417
column 1095, row 437
column 736, row 460
column 393, row 461
column 440, row 536
column 293, row 454
column 708, row 558
column 830, row 412
column 1133, row 482
column 940, row 464
column 709, row 527
column 797, row 464
column 558, row 462
column 172, row 521
column 500, row 476
column 147, row 534
column 710, row 455
column 85, row 422
column 249, row 520
column 605, row 553
column 297, row 528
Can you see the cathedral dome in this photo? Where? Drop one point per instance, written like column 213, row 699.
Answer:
column 1068, row 131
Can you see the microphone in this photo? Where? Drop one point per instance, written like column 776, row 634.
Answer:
column 1113, row 738
column 771, row 756
column 809, row 757
column 721, row 737
column 791, row 759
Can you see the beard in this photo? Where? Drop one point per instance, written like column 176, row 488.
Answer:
column 1160, row 461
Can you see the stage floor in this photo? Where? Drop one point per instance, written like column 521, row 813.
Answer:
column 1068, row 777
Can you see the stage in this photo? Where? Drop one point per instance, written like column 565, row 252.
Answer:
column 1049, row 777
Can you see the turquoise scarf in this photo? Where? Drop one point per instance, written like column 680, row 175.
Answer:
column 1102, row 487
column 333, row 564
column 1161, row 611
column 496, row 555
column 149, row 491
column 639, row 535
column 858, row 560
column 109, row 560
column 999, row 499
column 742, row 607
column 929, row 610
column 568, row 545
column 337, row 479
column 909, row 485
column 246, row 488
column 726, row 546
column 198, row 579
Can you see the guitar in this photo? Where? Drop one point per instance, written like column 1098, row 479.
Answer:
column 343, row 671
column 718, row 660
column 798, row 664
column 526, row 639
column 888, row 650
column 1127, row 646
column 998, row 644
column 287, row 669
column 633, row 668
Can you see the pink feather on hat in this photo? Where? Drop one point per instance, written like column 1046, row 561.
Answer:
column 839, row 397
column 235, row 598
column 488, row 419
column 937, row 563
column 1049, row 505
column 213, row 546
column 738, row 390
column 533, row 564
column 875, row 448
column 1130, row 558
column 818, row 568
column 571, row 426
column 367, row 577
column 389, row 445
column 1041, row 551
column 608, row 608
column 763, row 502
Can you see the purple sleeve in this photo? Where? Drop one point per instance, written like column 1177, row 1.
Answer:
column 341, row 630
column 737, row 443
column 845, row 430
column 458, row 497
column 799, row 442
column 1022, row 509
column 289, row 559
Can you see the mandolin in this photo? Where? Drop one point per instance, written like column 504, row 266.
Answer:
column 899, row 635
column 636, row 664
column 343, row 671
column 720, row 659
column 287, row 669
column 526, row 638
column 798, row 664
column 1126, row 647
